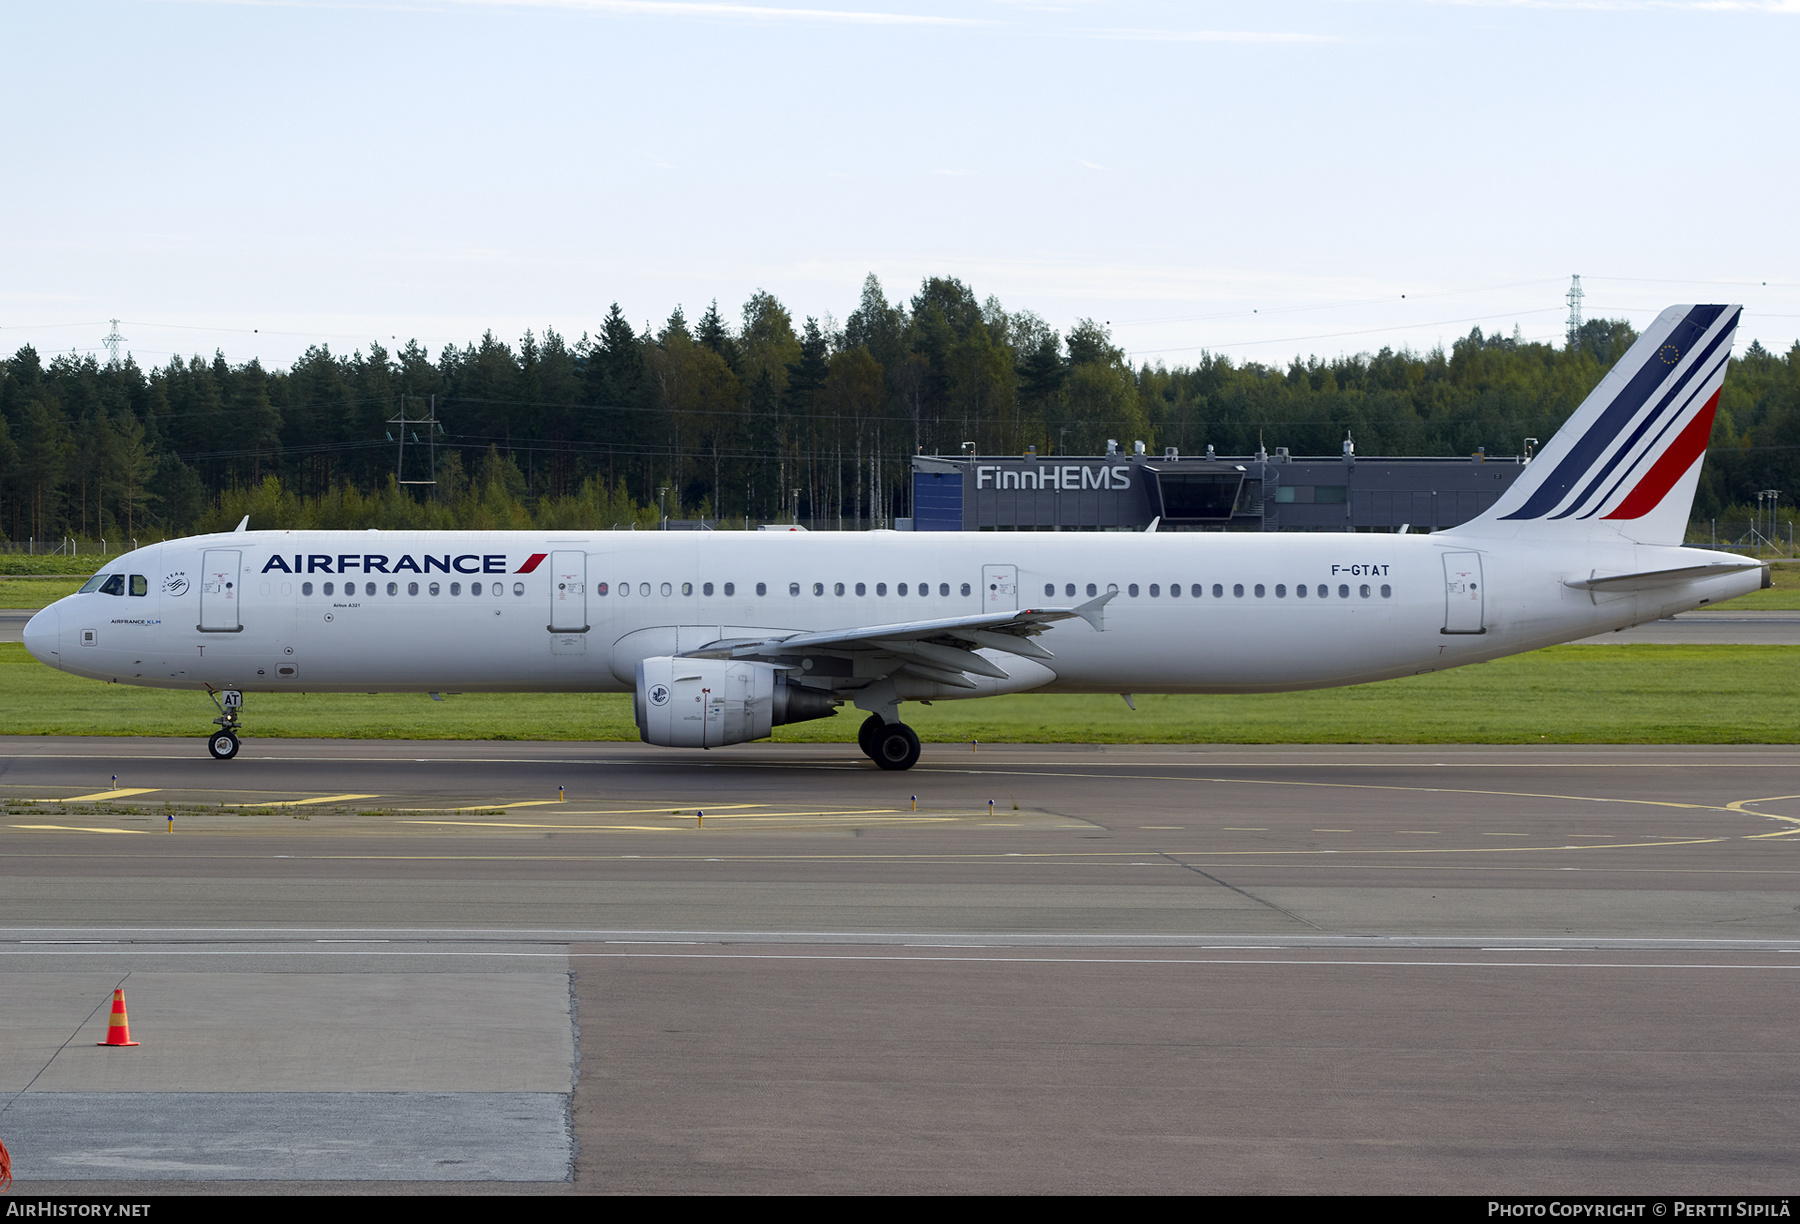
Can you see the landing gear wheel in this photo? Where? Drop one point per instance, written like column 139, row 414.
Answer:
column 896, row 747
column 223, row 745
column 865, row 734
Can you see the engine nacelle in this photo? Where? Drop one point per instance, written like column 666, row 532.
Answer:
column 707, row 703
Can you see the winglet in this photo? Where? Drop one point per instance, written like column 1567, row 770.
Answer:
column 1093, row 610
column 243, row 525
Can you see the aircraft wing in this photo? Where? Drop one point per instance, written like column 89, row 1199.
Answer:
column 941, row 650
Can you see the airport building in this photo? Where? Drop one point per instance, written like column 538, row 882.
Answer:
column 1126, row 490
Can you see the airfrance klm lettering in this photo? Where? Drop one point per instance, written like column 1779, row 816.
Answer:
column 378, row 563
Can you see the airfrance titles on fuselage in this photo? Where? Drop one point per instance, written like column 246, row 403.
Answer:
column 378, row 563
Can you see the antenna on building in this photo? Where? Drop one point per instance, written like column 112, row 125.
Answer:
column 1575, row 296
column 112, row 340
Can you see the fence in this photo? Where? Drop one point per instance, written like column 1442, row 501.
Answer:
column 68, row 546
column 1764, row 539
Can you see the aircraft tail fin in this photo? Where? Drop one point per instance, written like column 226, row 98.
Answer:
column 1626, row 464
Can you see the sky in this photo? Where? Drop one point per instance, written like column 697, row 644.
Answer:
column 1260, row 181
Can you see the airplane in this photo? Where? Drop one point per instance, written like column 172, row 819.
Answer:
column 722, row 636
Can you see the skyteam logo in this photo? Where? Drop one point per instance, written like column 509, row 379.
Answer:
column 381, row 563
column 1649, row 427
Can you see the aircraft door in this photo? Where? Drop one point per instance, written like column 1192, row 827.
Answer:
column 568, row 592
column 220, row 588
column 1463, row 594
column 999, row 588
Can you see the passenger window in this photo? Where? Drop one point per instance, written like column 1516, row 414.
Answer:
column 1132, row 590
column 1197, row 590
column 1280, row 591
column 706, row 589
column 818, row 588
column 924, row 589
column 1174, row 590
column 394, row 588
column 862, row 588
column 1219, row 590
column 1049, row 589
column 901, row 589
column 731, row 588
column 1259, row 590
column 793, row 588
column 114, row 585
column 1387, row 592
column 762, row 588
column 1343, row 592
column 687, row 588
column 1364, row 592
column 329, row 588
column 369, row 588
column 881, row 588
column 433, row 588
column 140, row 585
column 643, row 589
column 412, row 588
column 1092, row 589
column 944, row 590
column 1069, row 590
column 1112, row 588
column 1299, row 591
column 1238, row 590
column 965, row 588
column 519, row 588
column 306, row 588
column 1155, row 590
column 667, row 590
column 837, row 588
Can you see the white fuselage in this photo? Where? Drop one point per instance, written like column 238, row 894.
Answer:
column 252, row 610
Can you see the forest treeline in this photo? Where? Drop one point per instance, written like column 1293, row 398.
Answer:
column 758, row 418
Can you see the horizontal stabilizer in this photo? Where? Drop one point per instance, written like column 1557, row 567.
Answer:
column 1649, row 580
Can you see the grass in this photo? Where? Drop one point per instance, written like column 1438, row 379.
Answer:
column 1630, row 694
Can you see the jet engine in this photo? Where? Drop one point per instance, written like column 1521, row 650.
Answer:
column 707, row 703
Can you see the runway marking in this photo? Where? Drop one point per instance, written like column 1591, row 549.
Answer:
column 307, row 802
column 111, row 794
column 78, row 829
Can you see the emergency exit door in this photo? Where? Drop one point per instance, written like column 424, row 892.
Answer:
column 568, row 592
column 999, row 588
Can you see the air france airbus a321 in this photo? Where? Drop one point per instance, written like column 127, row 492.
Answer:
column 723, row 636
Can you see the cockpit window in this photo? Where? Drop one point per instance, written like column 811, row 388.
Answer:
column 92, row 584
column 114, row 585
column 140, row 585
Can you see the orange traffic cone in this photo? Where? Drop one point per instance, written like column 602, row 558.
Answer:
column 118, row 1031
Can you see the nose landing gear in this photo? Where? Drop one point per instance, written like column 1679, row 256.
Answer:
column 223, row 743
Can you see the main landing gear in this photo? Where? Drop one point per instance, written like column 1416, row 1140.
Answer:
column 223, row 743
column 891, row 745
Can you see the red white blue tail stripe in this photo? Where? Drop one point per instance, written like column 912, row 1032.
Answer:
column 1644, row 427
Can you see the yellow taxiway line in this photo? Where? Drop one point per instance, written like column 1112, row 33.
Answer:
column 111, row 794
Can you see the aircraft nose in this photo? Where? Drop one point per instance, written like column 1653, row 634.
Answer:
column 41, row 634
